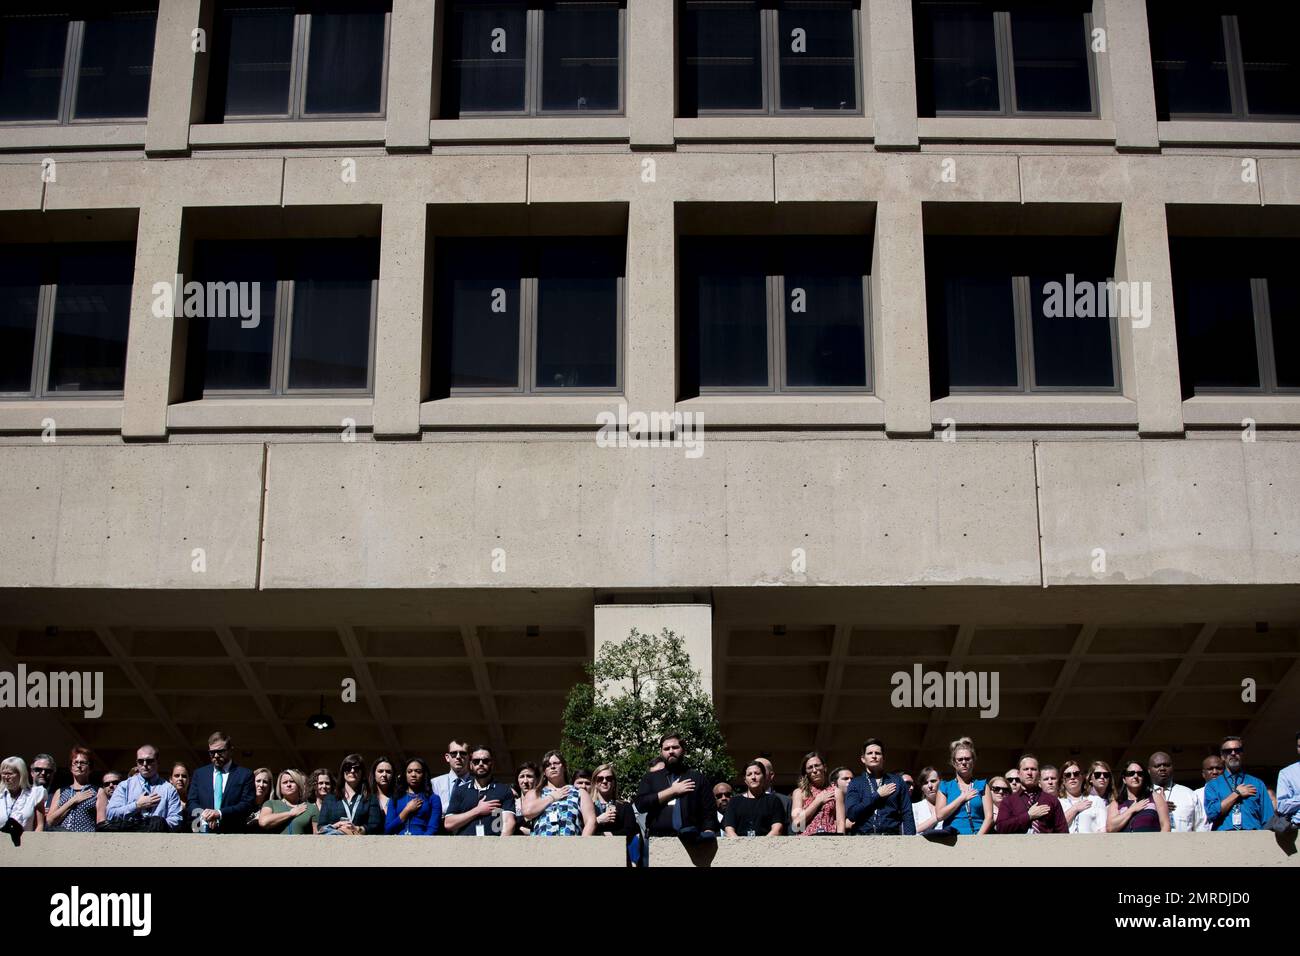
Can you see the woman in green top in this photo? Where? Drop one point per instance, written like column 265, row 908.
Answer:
column 288, row 810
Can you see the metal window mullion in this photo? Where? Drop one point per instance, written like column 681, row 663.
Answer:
column 867, row 331
column 533, row 40
column 298, row 65
column 1006, row 62
column 528, row 332
column 619, row 317
column 1094, row 86
column 770, row 58
column 1263, row 335
column 40, row 376
column 622, row 61
column 1236, row 66
column 71, row 68
column 280, row 336
column 1027, row 380
column 774, row 284
column 374, row 335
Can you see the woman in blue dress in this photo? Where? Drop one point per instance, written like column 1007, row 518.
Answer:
column 416, row 809
column 963, row 804
column 557, row 808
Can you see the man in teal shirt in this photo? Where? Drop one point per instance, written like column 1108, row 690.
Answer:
column 1235, row 800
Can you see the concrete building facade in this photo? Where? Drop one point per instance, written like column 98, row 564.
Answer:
column 1125, row 555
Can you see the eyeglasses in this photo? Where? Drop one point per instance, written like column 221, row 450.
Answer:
column 352, row 768
column 1135, row 773
column 480, row 761
column 553, row 764
column 604, row 779
column 1013, row 779
column 218, row 753
column 1098, row 775
column 42, row 770
column 999, row 789
column 457, row 753
column 1073, row 773
column 1229, row 750
column 81, row 763
column 146, row 760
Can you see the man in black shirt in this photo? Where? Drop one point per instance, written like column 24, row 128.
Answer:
column 480, row 807
column 676, row 800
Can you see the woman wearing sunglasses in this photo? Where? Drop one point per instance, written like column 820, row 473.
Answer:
column 1136, row 808
column 963, row 804
column 1084, row 812
column 615, row 817
column 997, row 789
column 1098, row 780
column 353, row 811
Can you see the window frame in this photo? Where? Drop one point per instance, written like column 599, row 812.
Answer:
column 1235, row 65
column 300, row 54
column 1005, row 55
column 534, row 53
column 75, row 17
column 1265, row 350
column 774, row 312
column 43, row 348
column 282, row 343
column 528, row 300
column 770, row 68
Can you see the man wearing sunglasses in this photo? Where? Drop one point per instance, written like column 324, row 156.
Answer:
column 1178, row 799
column 457, row 775
column 222, row 795
column 481, row 807
column 1236, row 800
column 144, row 802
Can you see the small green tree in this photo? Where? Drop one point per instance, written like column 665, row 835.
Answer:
column 642, row 687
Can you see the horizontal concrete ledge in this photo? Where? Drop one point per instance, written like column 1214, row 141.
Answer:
column 769, row 129
column 1073, row 850
column 1232, row 409
column 84, row 415
column 368, row 132
column 269, row 850
column 759, row 411
column 570, row 129
column 270, row 414
column 509, row 411
column 1228, row 133
column 1036, row 410
column 73, row 136
column 1015, row 129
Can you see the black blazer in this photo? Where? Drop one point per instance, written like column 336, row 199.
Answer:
column 368, row 815
column 698, row 809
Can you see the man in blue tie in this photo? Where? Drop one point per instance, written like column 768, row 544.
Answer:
column 677, row 800
column 221, row 797
column 144, row 802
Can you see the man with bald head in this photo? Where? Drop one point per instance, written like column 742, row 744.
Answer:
column 1179, row 799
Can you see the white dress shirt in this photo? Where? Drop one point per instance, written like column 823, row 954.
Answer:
column 1182, row 819
column 1091, row 819
column 22, row 807
column 1200, row 823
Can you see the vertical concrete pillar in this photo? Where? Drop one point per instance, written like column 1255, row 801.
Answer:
column 651, row 69
column 402, row 333
column 889, row 80
column 650, row 367
column 898, row 319
column 173, row 92
column 152, row 362
column 413, row 73
column 1149, row 344
column 1124, row 72
column 693, row 623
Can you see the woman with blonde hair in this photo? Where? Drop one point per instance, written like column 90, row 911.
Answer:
column 19, row 800
column 289, row 811
column 817, row 805
column 963, row 804
column 998, row 787
column 1084, row 812
column 1099, row 780
column 263, row 785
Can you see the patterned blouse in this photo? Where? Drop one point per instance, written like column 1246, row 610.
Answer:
column 824, row 821
column 80, row 818
column 561, row 817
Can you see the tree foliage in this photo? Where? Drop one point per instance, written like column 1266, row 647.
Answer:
column 642, row 687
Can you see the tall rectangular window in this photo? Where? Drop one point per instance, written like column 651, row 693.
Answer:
column 1004, row 58
column 282, row 317
column 64, row 313
column 1023, row 315
column 1225, row 60
column 531, row 315
column 777, row 56
column 60, row 68
column 781, row 313
column 528, row 58
column 322, row 60
column 1237, row 309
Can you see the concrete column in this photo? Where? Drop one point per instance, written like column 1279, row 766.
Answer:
column 693, row 623
column 413, row 74
column 152, row 360
column 890, row 72
column 1149, row 351
column 900, row 348
column 1124, row 73
column 402, row 333
column 173, row 103
column 651, row 72
column 649, row 329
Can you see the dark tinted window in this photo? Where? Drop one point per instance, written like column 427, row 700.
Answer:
column 116, row 61
column 1189, row 59
column 1072, row 347
column 259, row 44
column 333, row 294
column 725, row 293
column 486, row 49
column 20, row 290
column 238, row 349
column 978, row 320
column 1284, row 306
column 1271, row 60
column 32, row 53
column 1050, row 47
column 577, row 314
column 722, row 59
column 1216, row 332
column 91, row 311
column 580, row 56
column 345, row 64
column 824, row 312
column 818, row 67
column 956, row 58
column 482, row 288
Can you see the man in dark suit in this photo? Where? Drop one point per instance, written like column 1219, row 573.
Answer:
column 676, row 800
column 877, row 801
column 221, row 796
